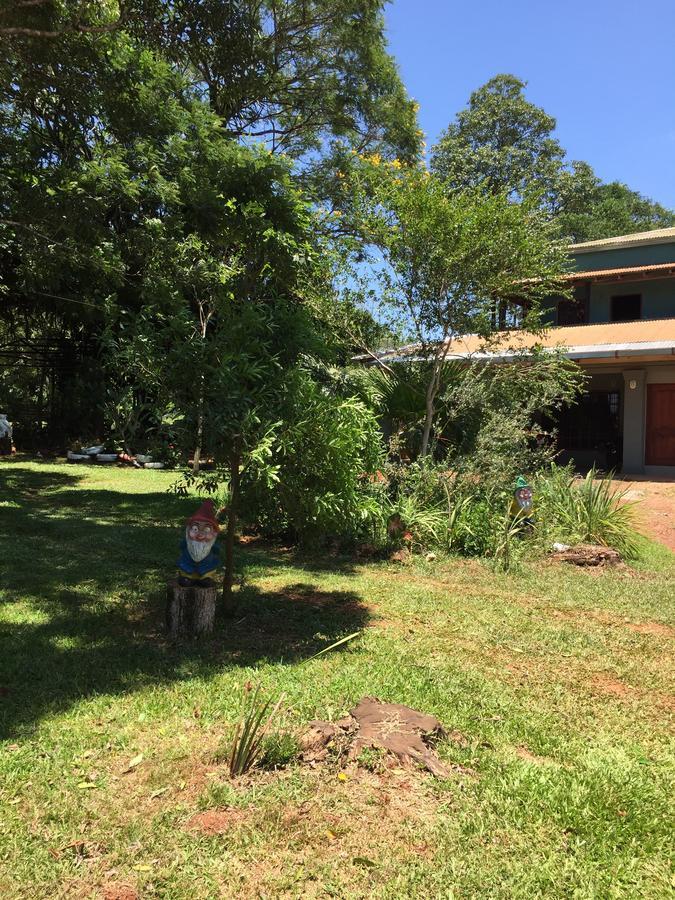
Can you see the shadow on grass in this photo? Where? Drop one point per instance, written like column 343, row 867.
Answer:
column 82, row 581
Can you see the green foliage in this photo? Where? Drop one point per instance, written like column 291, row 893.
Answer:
column 279, row 750
column 504, row 143
column 322, row 459
column 295, row 74
column 493, row 414
column 592, row 511
column 247, row 742
column 501, row 143
column 588, row 210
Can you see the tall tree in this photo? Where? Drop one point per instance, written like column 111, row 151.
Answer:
column 95, row 97
column 588, row 210
column 294, row 74
column 446, row 258
column 504, row 143
column 501, row 143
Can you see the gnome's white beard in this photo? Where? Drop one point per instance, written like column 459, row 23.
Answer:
column 199, row 550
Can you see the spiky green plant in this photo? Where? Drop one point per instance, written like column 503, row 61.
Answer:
column 507, row 545
column 592, row 510
column 250, row 731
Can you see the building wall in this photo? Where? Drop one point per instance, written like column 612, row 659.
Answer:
column 658, row 298
column 647, row 255
column 634, row 407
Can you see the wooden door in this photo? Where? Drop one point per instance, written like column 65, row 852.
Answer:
column 660, row 437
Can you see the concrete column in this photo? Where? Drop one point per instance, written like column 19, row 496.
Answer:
column 634, row 421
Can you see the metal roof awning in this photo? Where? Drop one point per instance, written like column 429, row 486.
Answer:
column 603, row 341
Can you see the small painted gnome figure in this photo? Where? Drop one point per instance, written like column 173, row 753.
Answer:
column 522, row 503
column 199, row 560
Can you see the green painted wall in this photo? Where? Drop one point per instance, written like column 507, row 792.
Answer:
column 658, row 298
column 625, row 256
column 658, row 295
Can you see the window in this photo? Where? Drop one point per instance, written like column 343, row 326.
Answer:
column 571, row 312
column 626, row 308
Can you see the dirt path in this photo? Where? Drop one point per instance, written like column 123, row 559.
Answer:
column 656, row 508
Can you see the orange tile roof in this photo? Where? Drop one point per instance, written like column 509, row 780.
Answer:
column 645, row 332
column 607, row 340
column 626, row 271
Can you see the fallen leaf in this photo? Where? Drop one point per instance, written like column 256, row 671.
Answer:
column 133, row 763
column 158, row 793
column 87, row 784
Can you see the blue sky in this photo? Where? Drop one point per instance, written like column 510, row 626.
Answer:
column 605, row 69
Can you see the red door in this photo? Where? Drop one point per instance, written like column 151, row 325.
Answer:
column 660, row 438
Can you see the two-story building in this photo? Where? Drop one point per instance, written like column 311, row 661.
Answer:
column 620, row 327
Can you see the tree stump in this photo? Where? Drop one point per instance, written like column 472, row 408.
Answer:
column 589, row 555
column 190, row 611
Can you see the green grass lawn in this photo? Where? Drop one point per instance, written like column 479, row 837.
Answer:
column 555, row 684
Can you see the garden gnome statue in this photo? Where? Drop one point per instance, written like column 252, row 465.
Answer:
column 522, row 503
column 198, row 561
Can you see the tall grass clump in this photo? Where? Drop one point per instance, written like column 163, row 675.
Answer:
column 591, row 510
column 247, row 743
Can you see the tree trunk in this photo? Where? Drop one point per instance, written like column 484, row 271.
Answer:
column 190, row 611
column 432, row 390
column 196, row 458
column 428, row 421
column 228, row 579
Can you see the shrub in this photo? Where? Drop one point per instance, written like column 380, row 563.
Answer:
column 322, row 461
column 588, row 511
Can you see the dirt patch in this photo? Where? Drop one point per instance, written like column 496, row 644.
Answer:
column 358, row 823
column 655, row 628
column 655, row 510
column 118, row 890
column 527, row 756
column 607, row 684
column 658, row 629
column 217, row 821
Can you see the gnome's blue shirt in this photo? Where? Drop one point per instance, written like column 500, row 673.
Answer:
column 191, row 569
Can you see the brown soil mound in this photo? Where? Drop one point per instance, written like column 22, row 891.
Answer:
column 216, row 821
column 117, row 890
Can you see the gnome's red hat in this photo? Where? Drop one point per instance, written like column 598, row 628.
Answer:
column 205, row 513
